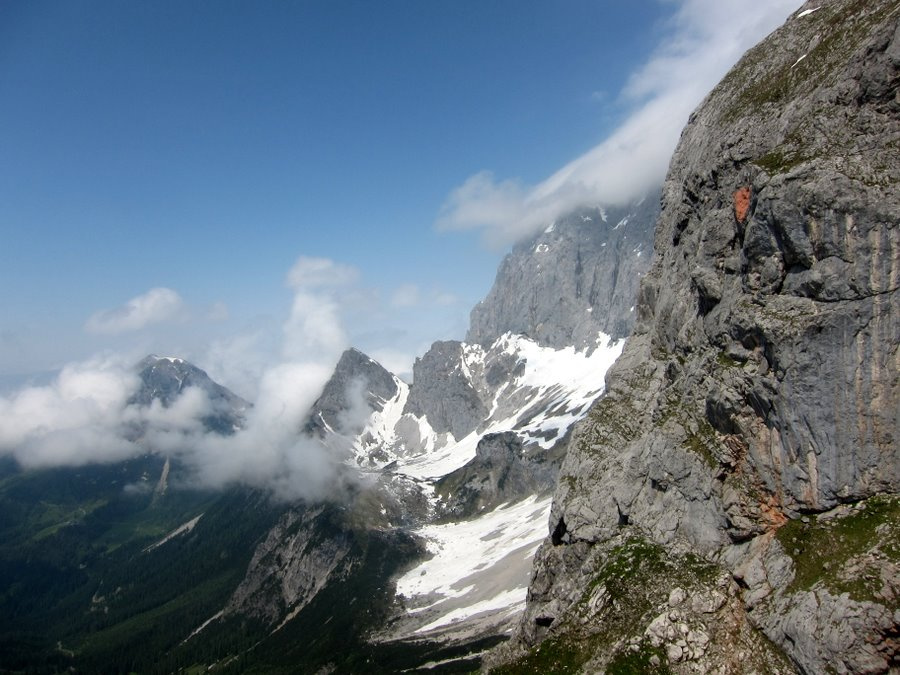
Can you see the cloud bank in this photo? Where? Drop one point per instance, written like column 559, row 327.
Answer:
column 85, row 415
column 158, row 305
column 703, row 40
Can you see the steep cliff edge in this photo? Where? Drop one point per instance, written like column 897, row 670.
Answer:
column 740, row 476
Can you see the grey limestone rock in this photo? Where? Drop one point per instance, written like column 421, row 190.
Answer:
column 761, row 383
column 498, row 473
column 577, row 278
column 443, row 393
column 291, row 565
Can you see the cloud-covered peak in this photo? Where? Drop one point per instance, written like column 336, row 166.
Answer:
column 703, row 40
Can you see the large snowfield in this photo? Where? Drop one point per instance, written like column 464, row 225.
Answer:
column 479, row 568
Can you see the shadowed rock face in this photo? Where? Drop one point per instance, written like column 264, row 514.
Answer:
column 761, row 384
column 443, row 393
column 577, row 278
column 498, row 473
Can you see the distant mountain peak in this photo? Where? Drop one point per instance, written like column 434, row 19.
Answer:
column 576, row 278
column 355, row 374
column 164, row 378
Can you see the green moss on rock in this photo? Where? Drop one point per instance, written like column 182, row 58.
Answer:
column 821, row 547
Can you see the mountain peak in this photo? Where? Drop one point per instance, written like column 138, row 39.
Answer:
column 575, row 279
column 164, row 378
column 356, row 374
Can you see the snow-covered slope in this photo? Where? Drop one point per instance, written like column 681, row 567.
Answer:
column 478, row 575
column 529, row 396
column 546, row 391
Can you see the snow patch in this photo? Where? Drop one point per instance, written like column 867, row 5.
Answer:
column 181, row 529
column 799, row 60
column 441, row 461
column 464, row 578
column 511, row 601
column 807, row 12
column 557, row 386
column 217, row 615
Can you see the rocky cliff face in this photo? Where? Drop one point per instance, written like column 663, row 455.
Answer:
column 578, row 277
column 443, row 391
column 751, row 424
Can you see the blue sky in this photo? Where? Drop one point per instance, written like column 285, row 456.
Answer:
column 189, row 157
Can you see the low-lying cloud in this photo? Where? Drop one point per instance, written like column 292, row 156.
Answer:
column 70, row 420
column 86, row 414
column 158, row 305
column 704, row 39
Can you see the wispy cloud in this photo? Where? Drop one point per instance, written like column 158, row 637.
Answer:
column 314, row 331
column 704, row 39
column 158, row 305
column 312, row 273
column 411, row 295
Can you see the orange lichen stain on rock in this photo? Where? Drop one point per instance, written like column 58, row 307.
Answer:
column 742, row 203
column 772, row 513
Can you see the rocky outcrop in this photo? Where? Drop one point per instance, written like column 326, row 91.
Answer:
column 761, row 385
column 499, row 473
column 577, row 278
column 357, row 386
column 294, row 562
column 443, row 392
column 309, row 549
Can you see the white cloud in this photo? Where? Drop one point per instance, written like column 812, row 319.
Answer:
column 271, row 452
column 704, row 39
column 238, row 360
column 84, row 415
column 74, row 420
column 158, row 305
column 314, row 330
column 319, row 273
